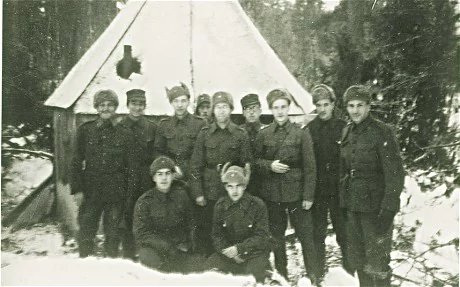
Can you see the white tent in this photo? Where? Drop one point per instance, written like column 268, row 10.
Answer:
column 208, row 45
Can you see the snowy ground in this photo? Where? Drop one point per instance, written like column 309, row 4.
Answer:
column 425, row 252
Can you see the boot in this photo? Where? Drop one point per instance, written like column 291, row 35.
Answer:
column 365, row 280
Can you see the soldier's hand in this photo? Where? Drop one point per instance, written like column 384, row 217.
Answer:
column 306, row 204
column 201, row 201
column 184, row 247
column 278, row 167
column 238, row 259
column 178, row 174
column 230, row 252
column 385, row 220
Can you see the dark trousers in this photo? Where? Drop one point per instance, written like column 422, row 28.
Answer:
column 178, row 261
column 89, row 215
column 368, row 249
column 203, row 215
column 302, row 222
column 324, row 205
column 257, row 266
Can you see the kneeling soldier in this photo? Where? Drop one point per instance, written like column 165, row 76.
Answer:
column 163, row 221
column 240, row 231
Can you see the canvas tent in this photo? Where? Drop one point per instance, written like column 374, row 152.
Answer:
column 208, row 45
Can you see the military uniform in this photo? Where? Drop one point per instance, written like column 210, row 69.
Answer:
column 243, row 224
column 292, row 146
column 371, row 179
column 326, row 135
column 162, row 223
column 176, row 137
column 214, row 147
column 104, row 169
column 143, row 131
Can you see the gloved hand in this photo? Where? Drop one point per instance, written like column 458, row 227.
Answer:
column 385, row 220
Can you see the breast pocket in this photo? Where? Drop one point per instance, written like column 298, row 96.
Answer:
column 212, row 153
column 170, row 141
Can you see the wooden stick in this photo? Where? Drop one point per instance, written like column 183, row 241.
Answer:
column 33, row 152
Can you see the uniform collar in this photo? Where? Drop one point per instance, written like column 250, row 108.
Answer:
column 243, row 203
column 129, row 123
column 161, row 196
column 362, row 125
column 231, row 127
column 100, row 123
column 287, row 126
column 253, row 126
column 176, row 120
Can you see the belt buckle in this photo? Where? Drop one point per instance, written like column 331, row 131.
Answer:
column 352, row 173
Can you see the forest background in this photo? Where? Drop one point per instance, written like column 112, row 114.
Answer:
column 406, row 50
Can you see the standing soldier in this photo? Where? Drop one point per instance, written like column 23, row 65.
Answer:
column 240, row 231
column 203, row 107
column 326, row 131
column 372, row 178
column 286, row 164
column 251, row 112
column 143, row 132
column 163, row 221
column 104, row 170
column 219, row 143
column 176, row 135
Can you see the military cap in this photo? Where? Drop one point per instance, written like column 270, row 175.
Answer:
column 322, row 92
column 277, row 94
column 249, row 99
column 135, row 94
column 177, row 91
column 357, row 92
column 105, row 95
column 222, row 97
column 203, row 98
column 235, row 174
column 161, row 163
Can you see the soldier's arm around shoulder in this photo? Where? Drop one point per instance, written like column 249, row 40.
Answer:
column 309, row 166
column 392, row 167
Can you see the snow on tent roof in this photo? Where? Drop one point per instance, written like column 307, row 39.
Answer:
column 209, row 45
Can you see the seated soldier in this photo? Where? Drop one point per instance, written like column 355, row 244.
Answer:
column 240, row 231
column 163, row 221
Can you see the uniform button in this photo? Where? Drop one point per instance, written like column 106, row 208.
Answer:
column 250, row 225
column 245, row 252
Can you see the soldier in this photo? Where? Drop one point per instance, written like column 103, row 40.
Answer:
column 163, row 221
column 371, row 180
column 104, row 170
column 176, row 135
column 285, row 161
column 240, row 228
column 326, row 131
column 220, row 142
column 251, row 112
column 203, row 107
column 143, row 131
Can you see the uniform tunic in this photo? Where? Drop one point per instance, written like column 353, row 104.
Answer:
column 215, row 147
column 104, row 169
column 283, row 193
column 243, row 224
column 162, row 221
column 143, row 132
column 176, row 138
column 372, row 178
column 326, row 137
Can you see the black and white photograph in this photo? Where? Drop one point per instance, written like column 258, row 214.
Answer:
column 230, row 143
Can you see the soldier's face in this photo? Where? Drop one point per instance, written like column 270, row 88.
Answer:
column 180, row 105
column 222, row 112
column 280, row 110
column 324, row 108
column 106, row 110
column 235, row 190
column 204, row 110
column 163, row 179
column 136, row 108
column 358, row 110
column 252, row 113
